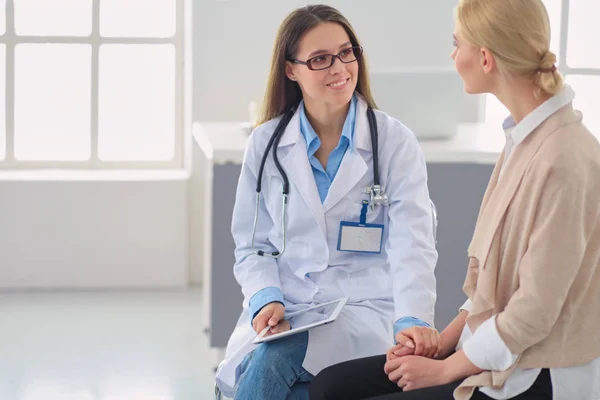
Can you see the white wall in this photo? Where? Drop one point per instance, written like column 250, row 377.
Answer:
column 93, row 234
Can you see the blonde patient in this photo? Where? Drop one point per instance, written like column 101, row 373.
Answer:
column 529, row 329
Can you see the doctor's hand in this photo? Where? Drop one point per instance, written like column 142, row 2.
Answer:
column 423, row 340
column 282, row 326
column 269, row 315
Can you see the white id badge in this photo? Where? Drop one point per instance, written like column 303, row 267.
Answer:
column 363, row 238
column 360, row 236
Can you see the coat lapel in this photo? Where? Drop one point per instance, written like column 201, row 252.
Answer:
column 353, row 166
column 297, row 166
column 351, row 171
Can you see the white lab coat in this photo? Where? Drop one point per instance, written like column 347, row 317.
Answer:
column 381, row 288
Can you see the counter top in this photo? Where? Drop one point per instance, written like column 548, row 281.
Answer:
column 225, row 142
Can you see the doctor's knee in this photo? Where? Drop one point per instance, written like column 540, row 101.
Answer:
column 281, row 354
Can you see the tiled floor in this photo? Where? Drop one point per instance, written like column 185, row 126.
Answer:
column 104, row 346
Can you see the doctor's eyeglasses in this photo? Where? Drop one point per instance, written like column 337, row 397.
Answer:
column 325, row 61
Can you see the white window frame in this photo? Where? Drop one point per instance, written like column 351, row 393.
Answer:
column 564, row 35
column 181, row 41
column 563, row 66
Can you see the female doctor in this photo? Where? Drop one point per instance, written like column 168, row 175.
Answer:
column 319, row 88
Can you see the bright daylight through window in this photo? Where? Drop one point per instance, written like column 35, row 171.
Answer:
column 91, row 83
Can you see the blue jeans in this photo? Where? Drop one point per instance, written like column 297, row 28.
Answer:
column 273, row 371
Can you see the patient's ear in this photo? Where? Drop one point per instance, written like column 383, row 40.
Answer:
column 487, row 60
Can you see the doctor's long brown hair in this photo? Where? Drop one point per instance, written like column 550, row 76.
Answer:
column 282, row 93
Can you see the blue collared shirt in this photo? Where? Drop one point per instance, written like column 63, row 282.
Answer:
column 323, row 178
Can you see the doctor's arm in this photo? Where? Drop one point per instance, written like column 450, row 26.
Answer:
column 411, row 244
column 257, row 275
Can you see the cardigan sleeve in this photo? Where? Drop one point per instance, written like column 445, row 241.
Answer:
column 563, row 221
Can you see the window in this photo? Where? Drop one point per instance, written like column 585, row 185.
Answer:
column 91, row 83
column 575, row 34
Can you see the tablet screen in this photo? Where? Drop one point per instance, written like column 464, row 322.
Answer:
column 317, row 314
column 305, row 319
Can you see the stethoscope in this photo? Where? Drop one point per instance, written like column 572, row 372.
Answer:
column 377, row 196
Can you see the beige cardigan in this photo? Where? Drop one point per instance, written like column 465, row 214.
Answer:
column 534, row 260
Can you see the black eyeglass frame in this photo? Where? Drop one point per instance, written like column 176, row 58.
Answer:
column 357, row 50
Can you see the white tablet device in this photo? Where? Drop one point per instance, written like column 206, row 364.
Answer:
column 303, row 320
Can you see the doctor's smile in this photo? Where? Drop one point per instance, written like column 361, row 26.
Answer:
column 339, row 84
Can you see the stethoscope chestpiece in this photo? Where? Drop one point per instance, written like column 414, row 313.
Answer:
column 377, row 196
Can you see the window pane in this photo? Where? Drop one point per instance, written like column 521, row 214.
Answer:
column 2, row 17
column 53, row 18
column 137, row 18
column 584, row 34
column 554, row 8
column 136, row 102
column 52, row 101
column 2, row 101
column 587, row 99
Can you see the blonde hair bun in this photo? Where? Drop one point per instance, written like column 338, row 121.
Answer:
column 547, row 78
